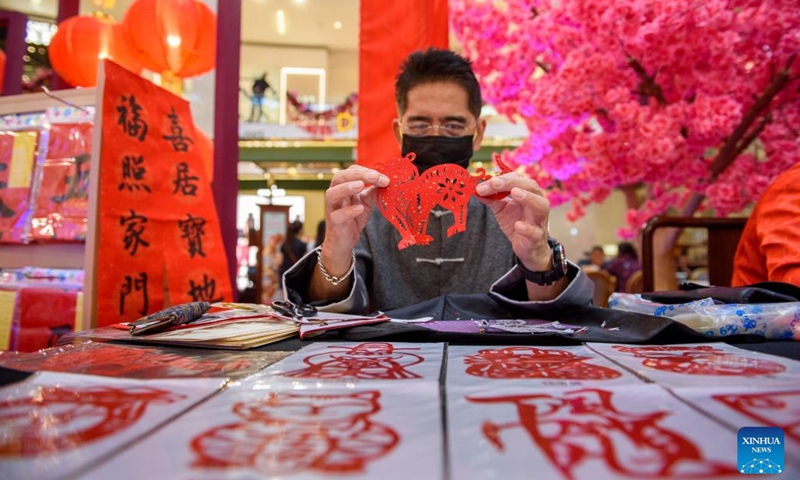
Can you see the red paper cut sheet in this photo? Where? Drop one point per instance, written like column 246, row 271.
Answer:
column 62, row 181
column 18, row 154
column 266, row 427
column 742, row 406
column 292, row 432
column 539, row 366
column 636, row 432
column 373, row 361
column 408, row 200
column 54, row 424
column 131, row 361
column 702, row 364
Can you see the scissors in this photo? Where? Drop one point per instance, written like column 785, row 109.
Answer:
column 297, row 312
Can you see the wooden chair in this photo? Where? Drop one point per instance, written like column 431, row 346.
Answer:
column 635, row 282
column 723, row 238
column 604, row 286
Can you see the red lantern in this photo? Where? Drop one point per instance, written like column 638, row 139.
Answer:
column 78, row 44
column 178, row 37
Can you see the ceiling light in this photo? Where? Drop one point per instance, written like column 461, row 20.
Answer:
column 337, row 25
column 280, row 18
column 299, row 1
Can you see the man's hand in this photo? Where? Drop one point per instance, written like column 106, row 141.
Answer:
column 349, row 202
column 523, row 217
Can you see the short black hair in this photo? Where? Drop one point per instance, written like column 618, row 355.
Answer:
column 437, row 65
column 626, row 248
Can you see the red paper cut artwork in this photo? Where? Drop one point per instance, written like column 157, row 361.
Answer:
column 701, row 360
column 408, row 200
column 367, row 361
column 293, row 432
column 62, row 418
column 768, row 408
column 130, row 362
column 583, row 425
column 530, row 362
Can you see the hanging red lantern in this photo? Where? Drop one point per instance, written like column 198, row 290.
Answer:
column 83, row 39
column 173, row 37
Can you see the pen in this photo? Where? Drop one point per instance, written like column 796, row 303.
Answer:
column 169, row 317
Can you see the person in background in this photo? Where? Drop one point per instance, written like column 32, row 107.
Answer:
column 505, row 250
column 293, row 248
column 596, row 259
column 624, row 265
column 320, row 234
column 769, row 249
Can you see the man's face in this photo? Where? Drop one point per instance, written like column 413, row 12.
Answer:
column 440, row 103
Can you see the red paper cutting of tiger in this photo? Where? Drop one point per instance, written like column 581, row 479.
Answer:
column 408, row 200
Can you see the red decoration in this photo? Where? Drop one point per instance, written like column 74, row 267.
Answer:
column 288, row 433
column 205, row 147
column 367, row 361
column 701, row 360
column 583, row 426
column 768, row 408
column 83, row 40
column 2, row 68
column 62, row 418
column 408, row 200
column 530, row 362
column 45, row 314
column 178, row 37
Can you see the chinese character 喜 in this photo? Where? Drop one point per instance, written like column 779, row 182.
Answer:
column 178, row 141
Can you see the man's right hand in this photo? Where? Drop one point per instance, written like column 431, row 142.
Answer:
column 349, row 202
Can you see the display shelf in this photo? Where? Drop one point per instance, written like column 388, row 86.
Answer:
column 56, row 254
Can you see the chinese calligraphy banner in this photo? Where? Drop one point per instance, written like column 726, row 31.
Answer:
column 159, row 240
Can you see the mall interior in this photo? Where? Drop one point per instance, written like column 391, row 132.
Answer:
column 399, row 239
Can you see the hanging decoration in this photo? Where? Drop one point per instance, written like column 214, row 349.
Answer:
column 84, row 39
column 174, row 38
column 408, row 200
column 323, row 123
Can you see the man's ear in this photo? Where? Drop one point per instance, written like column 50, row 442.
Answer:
column 480, row 129
column 397, row 130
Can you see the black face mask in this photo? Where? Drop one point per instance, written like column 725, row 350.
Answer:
column 432, row 151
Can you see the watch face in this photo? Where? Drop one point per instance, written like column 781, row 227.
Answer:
column 559, row 258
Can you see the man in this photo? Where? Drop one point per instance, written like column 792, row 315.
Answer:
column 359, row 267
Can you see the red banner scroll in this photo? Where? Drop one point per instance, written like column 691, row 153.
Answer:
column 159, row 239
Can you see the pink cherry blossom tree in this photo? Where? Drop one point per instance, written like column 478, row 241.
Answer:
column 684, row 105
